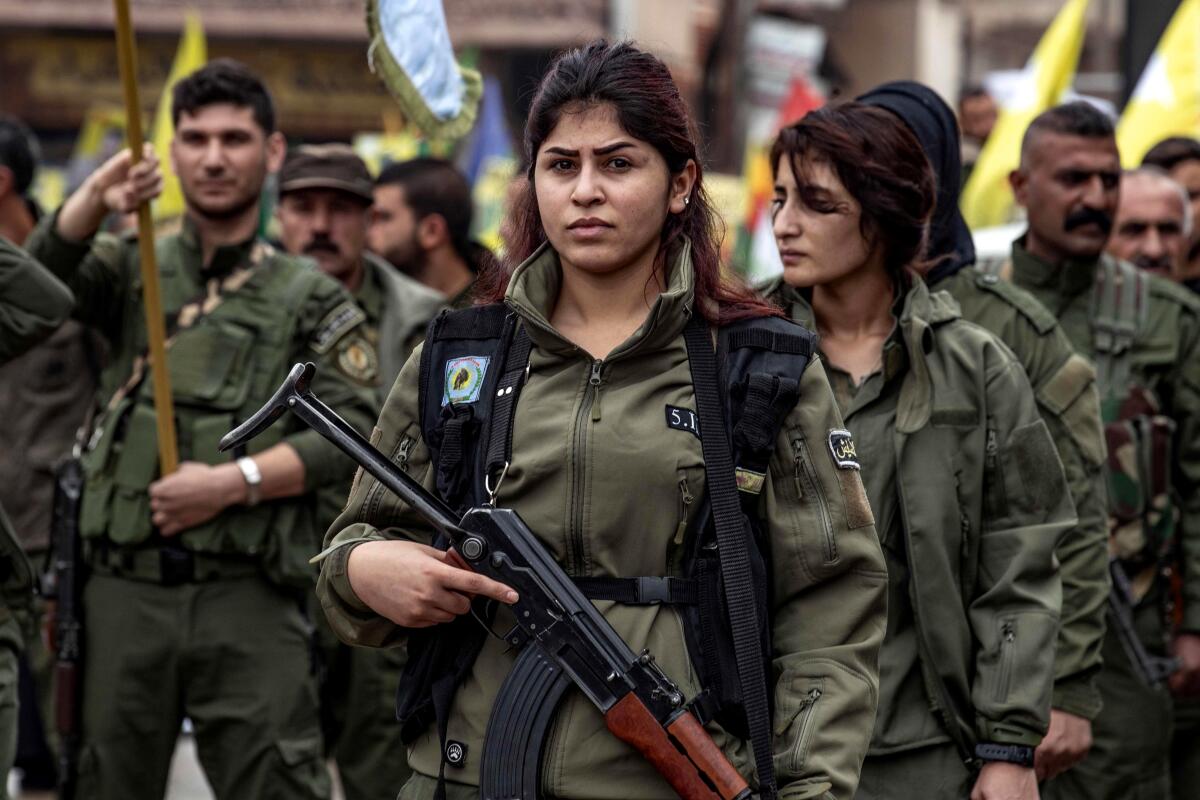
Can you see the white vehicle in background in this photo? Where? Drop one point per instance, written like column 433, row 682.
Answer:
column 994, row 246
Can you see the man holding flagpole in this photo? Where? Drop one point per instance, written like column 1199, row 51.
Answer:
column 193, row 604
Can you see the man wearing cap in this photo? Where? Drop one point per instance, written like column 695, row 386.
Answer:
column 325, row 196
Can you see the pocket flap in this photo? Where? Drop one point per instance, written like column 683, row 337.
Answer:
column 209, row 365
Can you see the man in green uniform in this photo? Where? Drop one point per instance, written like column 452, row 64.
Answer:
column 193, row 606
column 33, row 303
column 1142, row 334
column 421, row 222
column 1179, row 156
column 324, row 207
column 325, row 197
column 1151, row 231
column 1063, row 384
column 1152, row 225
column 45, row 396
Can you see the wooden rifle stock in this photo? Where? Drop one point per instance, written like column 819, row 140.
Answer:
column 683, row 752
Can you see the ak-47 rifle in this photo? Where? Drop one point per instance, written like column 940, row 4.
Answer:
column 1152, row 669
column 64, row 590
column 561, row 632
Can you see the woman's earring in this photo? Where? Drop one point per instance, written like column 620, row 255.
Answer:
column 687, row 200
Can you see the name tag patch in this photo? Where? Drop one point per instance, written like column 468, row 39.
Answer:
column 841, row 446
column 683, row 419
column 464, row 379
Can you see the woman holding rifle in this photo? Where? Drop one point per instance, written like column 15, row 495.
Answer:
column 614, row 255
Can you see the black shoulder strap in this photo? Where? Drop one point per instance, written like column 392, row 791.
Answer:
column 516, row 346
column 733, row 545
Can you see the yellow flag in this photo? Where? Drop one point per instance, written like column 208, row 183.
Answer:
column 191, row 55
column 1166, row 100
column 987, row 199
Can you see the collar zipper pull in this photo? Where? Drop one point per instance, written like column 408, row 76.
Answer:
column 595, row 382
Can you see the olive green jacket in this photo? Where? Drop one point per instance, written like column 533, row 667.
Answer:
column 398, row 310
column 609, row 488
column 224, row 364
column 1064, row 384
column 33, row 303
column 1165, row 358
column 983, row 502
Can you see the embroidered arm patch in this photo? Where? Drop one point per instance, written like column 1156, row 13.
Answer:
column 341, row 319
column 841, row 447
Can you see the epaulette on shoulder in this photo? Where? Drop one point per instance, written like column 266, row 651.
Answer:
column 1174, row 293
column 1022, row 301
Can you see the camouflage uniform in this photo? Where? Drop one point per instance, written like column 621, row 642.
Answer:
column 1143, row 335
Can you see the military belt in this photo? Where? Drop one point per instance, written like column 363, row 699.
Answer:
column 170, row 566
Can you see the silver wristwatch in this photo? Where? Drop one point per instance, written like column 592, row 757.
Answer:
column 253, row 478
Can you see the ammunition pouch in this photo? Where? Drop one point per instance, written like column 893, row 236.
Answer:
column 223, row 367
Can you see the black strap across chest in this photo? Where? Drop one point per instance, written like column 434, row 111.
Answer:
column 733, row 545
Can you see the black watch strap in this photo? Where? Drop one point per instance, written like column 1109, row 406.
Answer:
column 1019, row 754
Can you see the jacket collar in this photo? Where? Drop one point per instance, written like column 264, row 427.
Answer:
column 535, row 284
column 918, row 311
column 224, row 259
column 1070, row 278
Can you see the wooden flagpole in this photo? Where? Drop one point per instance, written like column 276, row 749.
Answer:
column 168, row 451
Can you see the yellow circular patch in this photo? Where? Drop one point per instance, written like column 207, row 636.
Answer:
column 358, row 359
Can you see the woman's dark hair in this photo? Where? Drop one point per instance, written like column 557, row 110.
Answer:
column 881, row 164
column 649, row 107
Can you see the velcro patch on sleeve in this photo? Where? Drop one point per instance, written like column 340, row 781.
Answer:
column 341, row 319
column 841, row 447
column 683, row 419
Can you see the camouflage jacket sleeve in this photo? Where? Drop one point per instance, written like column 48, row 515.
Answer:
column 95, row 270
column 1185, row 409
column 374, row 513
column 330, row 335
column 33, row 303
column 830, row 594
column 1014, row 609
column 1070, row 406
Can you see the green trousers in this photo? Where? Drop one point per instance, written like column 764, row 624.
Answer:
column 1185, row 750
column 358, row 712
column 936, row 772
column 234, row 655
column 1131, row 738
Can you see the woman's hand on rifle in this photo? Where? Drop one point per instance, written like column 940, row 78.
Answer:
column 416, row 586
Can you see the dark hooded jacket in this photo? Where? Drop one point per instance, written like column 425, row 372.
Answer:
column 1063, row 382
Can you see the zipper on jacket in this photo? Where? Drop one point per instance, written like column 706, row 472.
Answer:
column 594, row 381
column 685, row 500
column 401, row 455
column 808, row 485
column 579, row 440
column 1008, row 650
column 995, row 474
column 808, row 708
